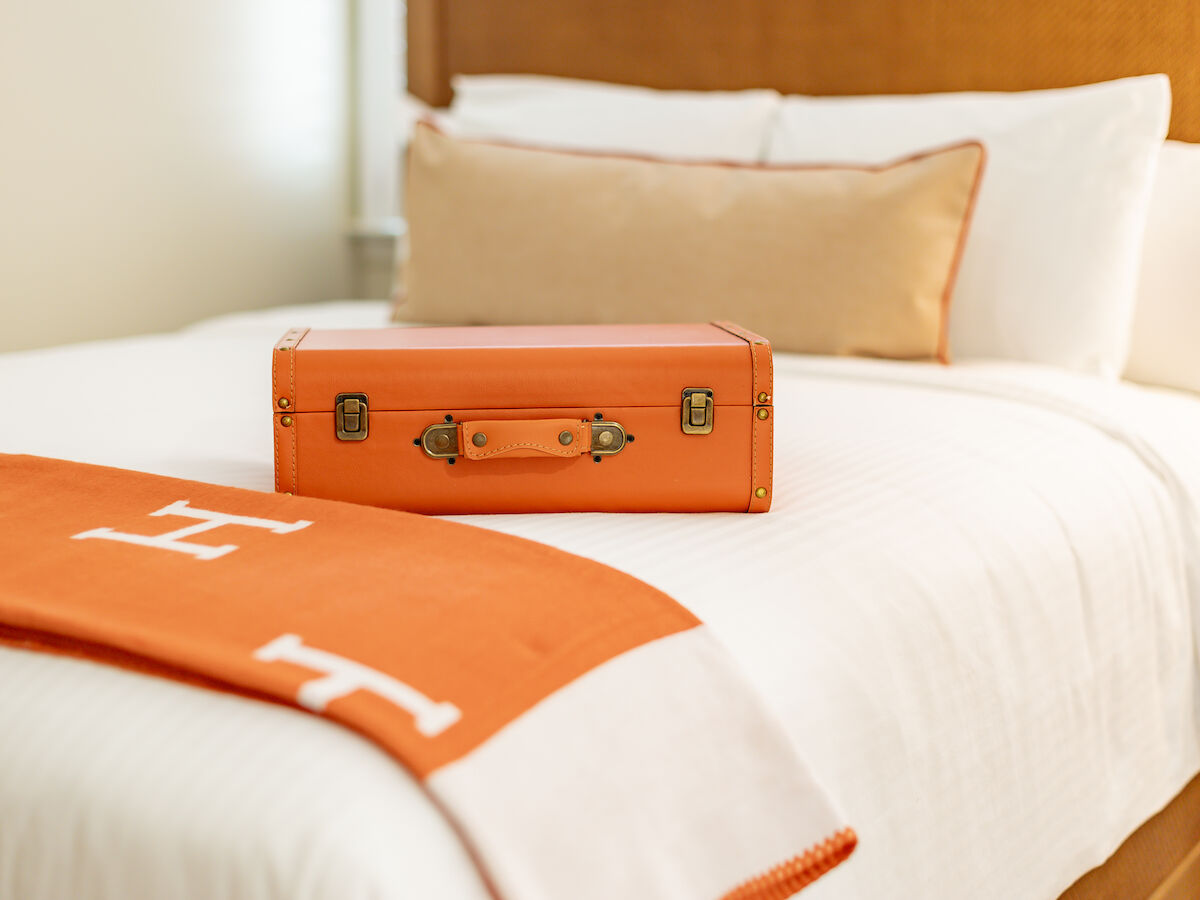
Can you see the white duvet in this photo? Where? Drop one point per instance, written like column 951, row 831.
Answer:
column 972, row 607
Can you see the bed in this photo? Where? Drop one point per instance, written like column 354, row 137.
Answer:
column 973, row 606
column 989, row 661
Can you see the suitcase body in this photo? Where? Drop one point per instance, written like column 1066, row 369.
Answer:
column 510, row 419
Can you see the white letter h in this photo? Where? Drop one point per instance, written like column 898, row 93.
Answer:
column 173, row 540
column 342, row 676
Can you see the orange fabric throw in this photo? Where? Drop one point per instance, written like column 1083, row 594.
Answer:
column 439, row 641
column 449, row 611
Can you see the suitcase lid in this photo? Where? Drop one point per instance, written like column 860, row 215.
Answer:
column 519, row 367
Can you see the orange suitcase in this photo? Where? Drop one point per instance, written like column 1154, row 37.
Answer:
column 555, row 418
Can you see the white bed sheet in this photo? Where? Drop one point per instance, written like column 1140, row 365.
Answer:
column 972, row 607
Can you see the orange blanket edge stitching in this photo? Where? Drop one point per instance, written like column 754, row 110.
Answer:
column 801, row 870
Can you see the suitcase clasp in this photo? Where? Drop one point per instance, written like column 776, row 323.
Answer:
column 350, row 415
column 696, row 413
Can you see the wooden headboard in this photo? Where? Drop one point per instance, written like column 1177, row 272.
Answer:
column 814, row 46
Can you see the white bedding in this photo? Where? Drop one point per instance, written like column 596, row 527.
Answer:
column 972, row 607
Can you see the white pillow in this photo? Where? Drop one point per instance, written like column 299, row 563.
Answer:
column 590, row 115
column 1051, row 264
column 1166, row 324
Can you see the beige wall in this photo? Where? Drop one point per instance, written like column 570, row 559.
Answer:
column 166, row 160
column 374, row 265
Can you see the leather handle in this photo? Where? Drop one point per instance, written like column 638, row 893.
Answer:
column 522, row 438
column 514, row 438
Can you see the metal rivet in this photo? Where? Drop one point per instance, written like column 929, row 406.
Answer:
column 565, row 437
column 284, row 403
column 760, row 493
column 762, row 413
column 441, row 441
column 479, row 439
column 285, row 421
column 605, row 438
column 283, row 349
column 763, row 397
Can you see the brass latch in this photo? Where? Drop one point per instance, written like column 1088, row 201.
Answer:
column 696, row 415
column 607, row 438
column 440, row 441
column 350, row 415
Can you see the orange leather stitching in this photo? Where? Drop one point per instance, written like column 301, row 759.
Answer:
column 770, row 424
column 753, row 426
column 295, row 480
column 582, row 445
column 289, row 479
column 527, row 444
column 292, row 388
column 274, row 394
column 755, row 423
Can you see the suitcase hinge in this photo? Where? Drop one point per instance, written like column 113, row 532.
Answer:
column 350, row 417
column 696, row 414
column 440, row 441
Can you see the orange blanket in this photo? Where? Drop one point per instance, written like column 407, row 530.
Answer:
column 478, row 660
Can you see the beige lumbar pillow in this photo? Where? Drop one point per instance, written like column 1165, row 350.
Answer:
column 819, row 259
